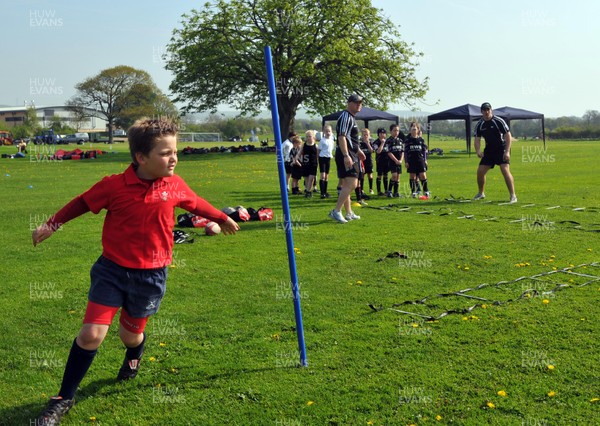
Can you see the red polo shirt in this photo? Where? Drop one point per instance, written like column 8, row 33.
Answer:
column 140, row 216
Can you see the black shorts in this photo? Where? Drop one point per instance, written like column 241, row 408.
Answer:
column 341, row 167
column 381, row 166
column 394, row 168
column 288, row 167
column 417, row 167
column 491, row 158
column 324, row 164
column 368, row 163
column 309, row 169
column 296, row 172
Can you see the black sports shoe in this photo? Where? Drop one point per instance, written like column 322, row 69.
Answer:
column 57, row 407
column 129, row 369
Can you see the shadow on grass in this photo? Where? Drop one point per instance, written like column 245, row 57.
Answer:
column 28, row 413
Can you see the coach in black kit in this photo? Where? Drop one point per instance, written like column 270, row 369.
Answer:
column 497, row 137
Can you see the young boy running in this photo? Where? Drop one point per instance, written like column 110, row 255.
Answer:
column 137, row 243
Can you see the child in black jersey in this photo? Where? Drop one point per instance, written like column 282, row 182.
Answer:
column 415, row 158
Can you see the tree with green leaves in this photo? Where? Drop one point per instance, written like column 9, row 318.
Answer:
column 120, row 95
column 323, row 50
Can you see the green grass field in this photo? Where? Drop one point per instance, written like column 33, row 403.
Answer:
column 223, row 349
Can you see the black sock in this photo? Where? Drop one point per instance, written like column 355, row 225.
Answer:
column 321, row 186
column 78, row 363
column 325, row 187
column 395, row 187
column 357, row 192
column 370, row 184
column 412, row 186
column 361, row 184
column 135, row 353
column 385, row 183
column 425, row 187
column 378, row 182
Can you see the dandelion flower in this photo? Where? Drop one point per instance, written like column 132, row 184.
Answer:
column 466, row 268
column 162, row 344
column 438, row 417
column 309, row 403
column 359, row 282
column 551, row 394
column 152, row 359
column 550, row 367
column 370, row 422
column 490, row 404
column 545, row 301
column 501, row 393
column 594, row 399
column 92, row 418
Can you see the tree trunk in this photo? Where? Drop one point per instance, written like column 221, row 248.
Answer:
column 287, row 115
column 110, row 130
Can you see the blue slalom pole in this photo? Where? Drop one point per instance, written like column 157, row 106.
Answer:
column 286, row 207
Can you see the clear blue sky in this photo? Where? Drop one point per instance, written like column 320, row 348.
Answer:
column 537, row 55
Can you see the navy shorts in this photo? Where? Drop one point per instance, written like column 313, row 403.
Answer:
column 138, row 291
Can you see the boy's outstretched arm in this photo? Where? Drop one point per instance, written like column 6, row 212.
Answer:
column 73, row 209
column 229, row 226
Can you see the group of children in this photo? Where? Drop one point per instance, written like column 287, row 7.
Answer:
column 302, row 159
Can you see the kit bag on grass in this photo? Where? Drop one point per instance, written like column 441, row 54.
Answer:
column 190, row 220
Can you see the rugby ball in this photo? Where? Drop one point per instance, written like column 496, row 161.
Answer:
column 212, row 228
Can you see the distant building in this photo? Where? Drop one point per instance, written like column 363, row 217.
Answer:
column 14, row 116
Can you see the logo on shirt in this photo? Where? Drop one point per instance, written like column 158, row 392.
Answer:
column 164, row 195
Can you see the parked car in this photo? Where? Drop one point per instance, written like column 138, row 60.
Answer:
column 79, row 138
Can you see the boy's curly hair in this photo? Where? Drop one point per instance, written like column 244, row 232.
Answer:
column 142, row 134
